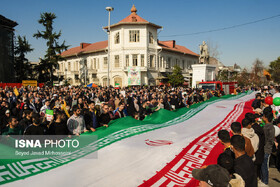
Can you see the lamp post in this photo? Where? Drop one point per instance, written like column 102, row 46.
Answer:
column 109, row 9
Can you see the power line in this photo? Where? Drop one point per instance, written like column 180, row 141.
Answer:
column 225, row 28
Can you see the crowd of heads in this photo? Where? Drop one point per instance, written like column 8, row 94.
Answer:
column 248, row 147
column 80, row 109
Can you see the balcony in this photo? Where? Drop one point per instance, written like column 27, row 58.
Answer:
column 140, row 68
column 163, row 70
column 95, row 79
column 92, row 70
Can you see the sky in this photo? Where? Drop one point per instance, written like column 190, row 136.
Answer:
column 82, row 21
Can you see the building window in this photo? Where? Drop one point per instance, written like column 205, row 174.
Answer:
column 168, row 62
column 151, row 38
column 161, row 62
column 94, row 63
column 152, row 61
column 97, row 64
column 76, row 66
column 127, row 60
column 90, row 64
column 172, row 63
column 117, row 61
column 84, row 66
column 117, row 38
column 93, row 75
column 105, row 62
column 177, row 63
column 76, row 77
column 142, row 60
column 134, row 36
column 134, row 60
column 189, row 64
column 183, row 64
column 69, row 66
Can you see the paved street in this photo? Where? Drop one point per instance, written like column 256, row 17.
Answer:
column 274, row 177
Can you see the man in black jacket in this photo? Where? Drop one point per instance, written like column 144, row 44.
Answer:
column 16, row 111
column 36, row 128
column 224, row 138
column 243, row 164
column 257, row 102
column 4, row 120
column 90, row 117
column 259, row 131
column 26, row 121
column 104, row 118
column 3, row 108
column 269, row 133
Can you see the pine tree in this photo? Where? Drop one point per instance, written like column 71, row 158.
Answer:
column 176, row 78
column 274, row 70
column 49, row 62
column 22, row 66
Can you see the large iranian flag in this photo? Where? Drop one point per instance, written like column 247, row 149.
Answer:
column 162, row 150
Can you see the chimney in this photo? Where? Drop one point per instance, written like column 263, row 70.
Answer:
column 83, row 45
column 170, row 43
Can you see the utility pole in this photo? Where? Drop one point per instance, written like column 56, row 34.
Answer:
column 109, row 9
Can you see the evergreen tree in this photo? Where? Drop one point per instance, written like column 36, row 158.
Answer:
column 54, row 49
column 22, row 66
column 176, row 78
column 274, row 70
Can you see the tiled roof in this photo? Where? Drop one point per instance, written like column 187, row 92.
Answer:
column 133, row 18
column 87, row 48
column 7, row 22
column 99, row 46
column 171, row 45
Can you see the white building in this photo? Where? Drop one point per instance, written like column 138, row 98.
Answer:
column 133, row 43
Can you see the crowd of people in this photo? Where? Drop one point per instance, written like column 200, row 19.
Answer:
column 80, row 109
column 248, row 147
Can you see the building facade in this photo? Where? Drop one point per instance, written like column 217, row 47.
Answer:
column 7, row 73
column 133, row 43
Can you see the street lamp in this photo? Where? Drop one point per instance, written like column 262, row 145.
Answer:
column 109, row 9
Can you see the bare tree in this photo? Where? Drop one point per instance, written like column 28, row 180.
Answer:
column 213, row 49
column 257, row 77
column 243, row 78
